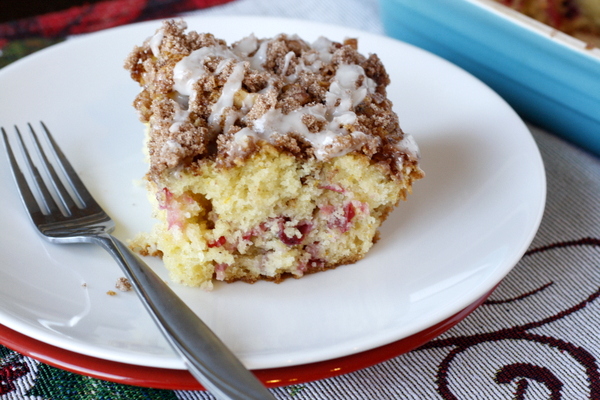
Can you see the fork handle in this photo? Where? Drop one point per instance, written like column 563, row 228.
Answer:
column 205, row 355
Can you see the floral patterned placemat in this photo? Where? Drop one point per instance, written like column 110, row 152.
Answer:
column 22, row 37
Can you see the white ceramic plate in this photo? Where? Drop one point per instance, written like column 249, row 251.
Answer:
column 467, row 224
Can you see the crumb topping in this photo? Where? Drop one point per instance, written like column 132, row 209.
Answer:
column 123, row 284
column 203, row 99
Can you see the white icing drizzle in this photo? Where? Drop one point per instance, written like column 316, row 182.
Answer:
column 173, row 145
column 286, row 60
column 191, row 68
column 180, row 116
column 409, row 146
column 231, row 87
column 244, row 137
column 323, row 46
column 348, row 88
column 246, row 46
column 343, row 95
column 258, row 60
column 274, row 123
column 344, row 92
column 155, row 42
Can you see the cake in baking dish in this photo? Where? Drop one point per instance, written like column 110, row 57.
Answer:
column 268, row 158
column 578, row 18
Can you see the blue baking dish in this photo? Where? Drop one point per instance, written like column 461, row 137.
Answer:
column 548, row 77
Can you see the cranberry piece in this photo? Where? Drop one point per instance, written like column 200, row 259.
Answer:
column 335, row 188
column 349, row 213
column 218, row 243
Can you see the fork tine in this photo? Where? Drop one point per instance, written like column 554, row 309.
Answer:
column 61, row 191
column 46, row 197
column 27, row 196
column 78, row 186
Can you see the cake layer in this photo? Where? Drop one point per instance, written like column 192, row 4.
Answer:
column 272, row 217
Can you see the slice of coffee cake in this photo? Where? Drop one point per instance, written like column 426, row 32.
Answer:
column 268, row 158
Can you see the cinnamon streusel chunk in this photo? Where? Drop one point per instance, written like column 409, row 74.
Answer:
column 268, row 158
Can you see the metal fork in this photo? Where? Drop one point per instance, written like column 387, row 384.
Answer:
column 78, row 218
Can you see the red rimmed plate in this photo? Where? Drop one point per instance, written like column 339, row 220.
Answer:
column 176, row 379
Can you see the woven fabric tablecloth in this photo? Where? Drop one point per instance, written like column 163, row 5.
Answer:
column 536, row 337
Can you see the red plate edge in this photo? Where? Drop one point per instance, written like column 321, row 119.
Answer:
column 173, row 379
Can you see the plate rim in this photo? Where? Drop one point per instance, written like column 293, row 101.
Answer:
column 177, row 379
